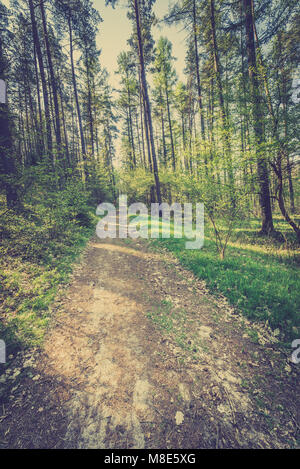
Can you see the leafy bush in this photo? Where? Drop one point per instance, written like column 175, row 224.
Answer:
column 37, row 248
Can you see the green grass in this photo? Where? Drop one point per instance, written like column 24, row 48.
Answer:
column 29, row 289
column 176, row 324
column 260, row 276
column 36, row 259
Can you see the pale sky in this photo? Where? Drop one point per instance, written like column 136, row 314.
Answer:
column 116, row 29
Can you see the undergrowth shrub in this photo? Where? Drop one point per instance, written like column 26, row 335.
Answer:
column 38, row 245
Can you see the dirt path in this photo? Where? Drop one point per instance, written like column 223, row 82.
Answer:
column 140, row 355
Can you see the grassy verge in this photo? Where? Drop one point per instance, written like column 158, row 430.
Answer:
column 37, row 251
column 28, row 289
column 259, row 275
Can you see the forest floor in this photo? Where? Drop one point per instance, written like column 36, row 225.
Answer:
column 139, row 354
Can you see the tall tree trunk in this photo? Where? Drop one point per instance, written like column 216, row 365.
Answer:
column 224, row 115
column 138, row 136
column 146, row 97
column 199, row 88
column 281, row 147
column 37, row 44
column 82, row 139
column 170, row 127
column 152, row 189
column 142, row 123
column 284, row 79
column 7, row 161
column 130, row 126
column 90, row 112
column 163, row 132
column 288, row 163
column 52, row 77
column 64, row 124
column 131, row 160
column 257, row 112
column 41, row 130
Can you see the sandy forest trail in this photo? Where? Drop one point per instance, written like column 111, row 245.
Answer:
column 140, row 355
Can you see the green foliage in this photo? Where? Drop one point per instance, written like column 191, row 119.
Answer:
column 257, row 277
column 38, row 247
column 100, row 183
column 136, row 184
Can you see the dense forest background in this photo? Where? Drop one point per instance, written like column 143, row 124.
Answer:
column 228, row 136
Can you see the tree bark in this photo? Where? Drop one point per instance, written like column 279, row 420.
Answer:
column 262, row 170
column 170, row 127
column 82, row 140
column 199, row 89
column 224, row 115
column 52, row 77
column 7, row 161
column 37, row 44
column 146, row 97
